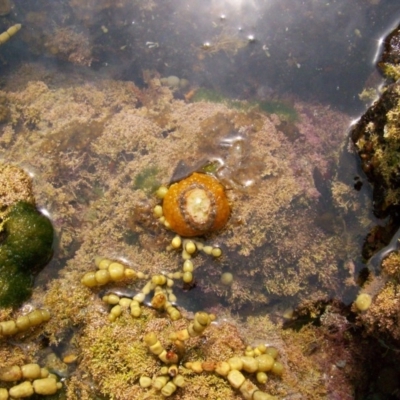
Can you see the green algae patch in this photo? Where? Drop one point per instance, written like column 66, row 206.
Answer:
column 147, row 180
column 284, row 110
column 212, row 96
column 26, row 247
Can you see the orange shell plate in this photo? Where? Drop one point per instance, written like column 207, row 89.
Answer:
column 175, row 214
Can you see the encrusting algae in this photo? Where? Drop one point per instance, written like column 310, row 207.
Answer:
column 105, row 147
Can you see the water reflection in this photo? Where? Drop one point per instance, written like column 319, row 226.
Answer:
column 320, row 50
column 108, row 100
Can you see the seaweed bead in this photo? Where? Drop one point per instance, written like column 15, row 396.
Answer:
column 196, row 206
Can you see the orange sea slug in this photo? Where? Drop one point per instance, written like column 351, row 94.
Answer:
column 196, row 205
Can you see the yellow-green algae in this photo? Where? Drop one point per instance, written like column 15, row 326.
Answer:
column 121, row 342
column 391, row 70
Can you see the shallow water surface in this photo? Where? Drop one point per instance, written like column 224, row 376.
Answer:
column 106, row 101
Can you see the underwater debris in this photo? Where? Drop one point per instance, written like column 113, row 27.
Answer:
column 228, row 41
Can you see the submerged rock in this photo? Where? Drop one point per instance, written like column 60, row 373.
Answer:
column 377, row 140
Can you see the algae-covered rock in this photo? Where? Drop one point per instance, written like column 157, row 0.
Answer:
column 390, row 59
column 377, row 134
column 27, row 246
column 377, row 140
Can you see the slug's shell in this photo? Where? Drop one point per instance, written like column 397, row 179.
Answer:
column 196, row 206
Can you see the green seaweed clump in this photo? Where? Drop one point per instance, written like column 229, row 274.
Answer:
column 26, row 247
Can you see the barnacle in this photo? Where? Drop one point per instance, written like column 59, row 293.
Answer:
column 196, row 205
